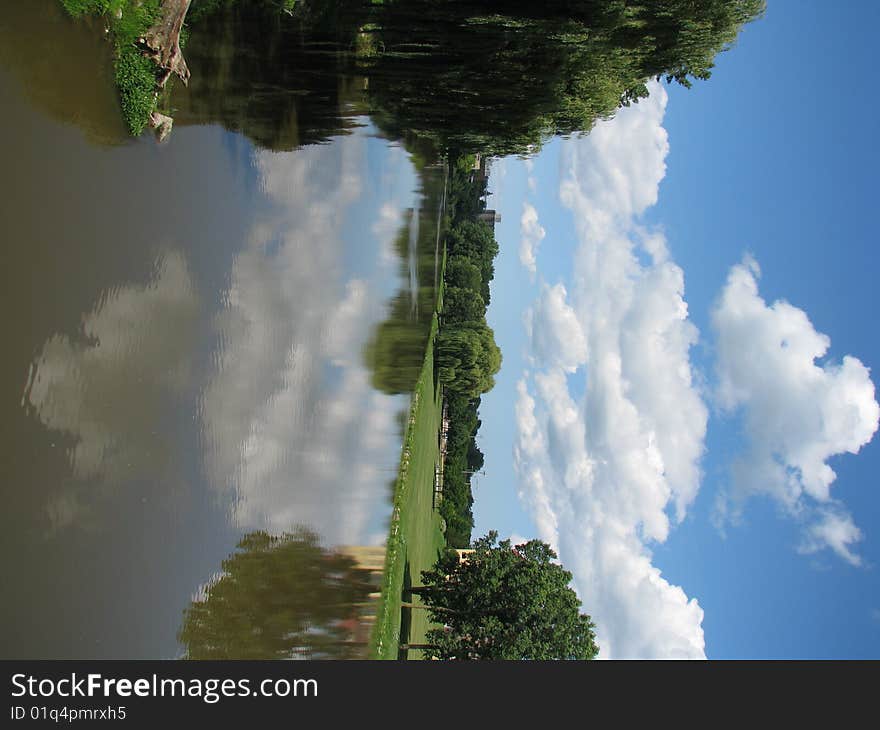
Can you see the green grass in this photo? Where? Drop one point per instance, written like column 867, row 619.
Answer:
column 414, row 538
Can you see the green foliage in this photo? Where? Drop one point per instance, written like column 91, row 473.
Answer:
column 204, row 8
column 503, row 77
column 277, row 598
column 136, row 81
column 462, row 457
column 506, row 602
column 463, row 304
column 78, row 8
column 468, row 358
column 474, row 241
column 472, row 248
column 135, row 74
column 462, row 274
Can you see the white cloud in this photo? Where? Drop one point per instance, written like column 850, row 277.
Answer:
column 834, row 530
column 601, row 471
column 798, row 412
column 555, row 334
column 531, row 234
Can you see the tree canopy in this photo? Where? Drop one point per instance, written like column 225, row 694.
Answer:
column 462, row 305
column 493, row 76
column 468, row 358
column 505, row 601
column 502, row 77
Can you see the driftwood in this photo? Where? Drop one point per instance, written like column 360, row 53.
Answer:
column 162, row 41
column 161, row 124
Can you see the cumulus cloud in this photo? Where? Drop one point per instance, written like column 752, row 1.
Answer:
column 835, row 530
column 798, row 410
column 531, row 234
column 602, row 471
column 554, row 332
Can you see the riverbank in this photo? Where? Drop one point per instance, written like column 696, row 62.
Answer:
column 145, row 36
column 415, row 537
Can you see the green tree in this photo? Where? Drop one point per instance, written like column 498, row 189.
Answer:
column 277, row 598
column 468, row 358
column 505, row 602
column 461, row 273
column 475, row 241
column 502, row 77
column 462, row 305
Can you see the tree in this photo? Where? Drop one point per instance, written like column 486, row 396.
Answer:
column 462, row 305
column 461, row 273
column 468, row 358
column 505, row 602
column 502, row 77
column 278, row 598
column 474, row 240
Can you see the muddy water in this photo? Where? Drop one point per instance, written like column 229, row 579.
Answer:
column 184, row 367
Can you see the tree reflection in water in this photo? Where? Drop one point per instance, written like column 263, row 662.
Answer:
column 285, row 597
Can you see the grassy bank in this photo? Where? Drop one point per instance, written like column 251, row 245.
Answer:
column 414, row 537
column 127, row 20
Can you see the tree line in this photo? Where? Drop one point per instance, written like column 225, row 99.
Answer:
column 467, row 356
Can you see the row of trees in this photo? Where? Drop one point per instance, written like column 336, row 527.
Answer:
column 467, row 355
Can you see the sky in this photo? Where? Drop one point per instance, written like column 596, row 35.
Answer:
column 686, row 409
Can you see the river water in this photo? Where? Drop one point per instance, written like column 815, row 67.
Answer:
column 187, row 336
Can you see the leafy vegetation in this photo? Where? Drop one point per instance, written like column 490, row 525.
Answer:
column 467, row 355
column 505, row 602
column 502, row 77
column 135, row 74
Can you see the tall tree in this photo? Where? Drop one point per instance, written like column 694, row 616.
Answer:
column 463, row 274
column 505, row 602
column 462, row 305
column 468, row 358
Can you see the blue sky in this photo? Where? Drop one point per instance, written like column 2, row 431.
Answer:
column 684, row 300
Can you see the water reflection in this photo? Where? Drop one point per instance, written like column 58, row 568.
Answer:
column 183, row 362
column 130, row 358
column 285, row 597
column 292, row 425
column 76, row 86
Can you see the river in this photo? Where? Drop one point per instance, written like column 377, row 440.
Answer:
column 188, row 326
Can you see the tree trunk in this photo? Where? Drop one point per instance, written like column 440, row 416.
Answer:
column 407, row 647
column 162, row 41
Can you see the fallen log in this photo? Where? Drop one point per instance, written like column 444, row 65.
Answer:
column 162, row 42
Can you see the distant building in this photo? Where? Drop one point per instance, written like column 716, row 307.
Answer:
column 490, row 216
column 464, row 555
